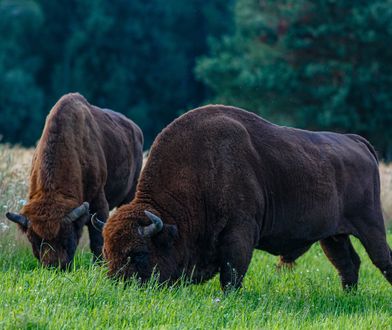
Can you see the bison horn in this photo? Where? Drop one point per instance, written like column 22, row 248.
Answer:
column 152, row 229
column 97, row 224
column 18, row 218
column 76, row 213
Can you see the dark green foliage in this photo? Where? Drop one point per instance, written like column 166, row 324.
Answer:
column 315, row 64
column 136, row 57
column 318, row 64
column 21, row 100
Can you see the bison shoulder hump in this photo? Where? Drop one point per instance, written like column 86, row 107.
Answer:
column 70, row 103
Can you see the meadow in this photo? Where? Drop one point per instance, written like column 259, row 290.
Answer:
column 308, row 297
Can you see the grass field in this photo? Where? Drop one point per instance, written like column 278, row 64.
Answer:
column 309, row 297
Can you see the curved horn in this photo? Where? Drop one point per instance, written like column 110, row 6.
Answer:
column 152, row 229
column 97, row 224
column 18, row 218
column 76, row 213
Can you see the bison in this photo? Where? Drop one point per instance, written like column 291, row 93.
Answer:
column 220, row 182
column 87, row 159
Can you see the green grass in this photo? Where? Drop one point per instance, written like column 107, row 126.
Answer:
column 33, row 297
column 310, row 297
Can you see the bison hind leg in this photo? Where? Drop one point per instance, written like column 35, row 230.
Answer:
column 376, row 246
column 342, row 255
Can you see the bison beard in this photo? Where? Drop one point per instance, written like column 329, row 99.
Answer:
column 224, row 182
column 87, row 159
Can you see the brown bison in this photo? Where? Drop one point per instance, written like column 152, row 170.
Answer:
column 87, row 158
column 221, row 182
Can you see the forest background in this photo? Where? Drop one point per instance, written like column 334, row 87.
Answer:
column 314, row 64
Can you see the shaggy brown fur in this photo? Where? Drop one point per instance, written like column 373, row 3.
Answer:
column 226, row 182
column 85, row 154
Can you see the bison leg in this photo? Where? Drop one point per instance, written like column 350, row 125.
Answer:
column 375, row 243
column 96, row 242
column 100, row 207
column 342, row 255
column 235, row 253
column 287, row 261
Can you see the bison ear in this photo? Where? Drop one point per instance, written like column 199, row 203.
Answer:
column 167, row 236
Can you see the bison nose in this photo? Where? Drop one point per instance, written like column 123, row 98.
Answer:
column 53, row 259
column 62, row 265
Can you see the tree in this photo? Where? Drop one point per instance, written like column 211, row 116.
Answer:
column 136, row 57
column 315, row 64
column 19, row 95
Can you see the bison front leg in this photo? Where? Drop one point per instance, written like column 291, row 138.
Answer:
column 235, row 253
column 101, row 208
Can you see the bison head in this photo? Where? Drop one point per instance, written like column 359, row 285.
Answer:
column 138, row 243
column 53, row 240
